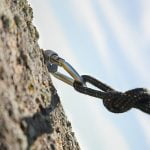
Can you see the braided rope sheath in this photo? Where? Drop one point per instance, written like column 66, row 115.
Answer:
column 115, row 101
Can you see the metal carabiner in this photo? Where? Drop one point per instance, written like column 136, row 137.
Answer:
column 53, row 61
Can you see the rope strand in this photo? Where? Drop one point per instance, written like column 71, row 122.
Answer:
column 115, row 101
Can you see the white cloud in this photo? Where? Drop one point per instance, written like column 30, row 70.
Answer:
column 145, row 18
column 127, row 37
column 144, row 121
column 107, row 130
column 86, row 16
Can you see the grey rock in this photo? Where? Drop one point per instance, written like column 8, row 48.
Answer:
column 31, row 114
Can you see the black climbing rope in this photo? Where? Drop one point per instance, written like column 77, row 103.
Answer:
column 113, row 100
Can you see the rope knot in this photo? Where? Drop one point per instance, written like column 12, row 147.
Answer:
column 114, row 101
column 118, row 102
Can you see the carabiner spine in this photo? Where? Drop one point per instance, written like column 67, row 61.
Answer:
column 63, row 78
column 71, row 71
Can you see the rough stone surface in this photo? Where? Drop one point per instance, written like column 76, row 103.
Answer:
column 31, row 115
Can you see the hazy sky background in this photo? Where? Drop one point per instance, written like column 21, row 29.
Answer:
column 109, row 39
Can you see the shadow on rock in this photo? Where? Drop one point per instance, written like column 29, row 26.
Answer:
column 40, row 123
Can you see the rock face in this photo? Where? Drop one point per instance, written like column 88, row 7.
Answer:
column 31, row 115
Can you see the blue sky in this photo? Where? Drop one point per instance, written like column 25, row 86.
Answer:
column 108, row 39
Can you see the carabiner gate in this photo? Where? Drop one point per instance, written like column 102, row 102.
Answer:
column 53, row 61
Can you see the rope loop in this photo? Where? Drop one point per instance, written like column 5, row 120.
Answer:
column 115, row 101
